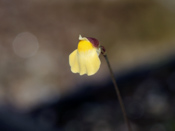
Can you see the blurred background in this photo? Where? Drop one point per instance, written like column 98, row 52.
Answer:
column 38, row 91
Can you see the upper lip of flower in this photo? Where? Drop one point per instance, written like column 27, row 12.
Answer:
column 93, row 41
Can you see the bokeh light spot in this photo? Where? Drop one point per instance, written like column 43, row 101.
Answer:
column 25, row 45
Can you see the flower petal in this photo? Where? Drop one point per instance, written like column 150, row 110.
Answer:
column 85, row 62
column 73, row 61
column 90, row 61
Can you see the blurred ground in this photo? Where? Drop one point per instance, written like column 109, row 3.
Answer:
column 36, row 38
column 148, row 95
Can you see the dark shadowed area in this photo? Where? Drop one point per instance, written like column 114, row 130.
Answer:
column 38, row 92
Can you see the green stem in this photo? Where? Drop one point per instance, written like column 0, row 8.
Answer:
column 118, row 94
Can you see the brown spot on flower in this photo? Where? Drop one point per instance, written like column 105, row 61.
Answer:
column 94, row 41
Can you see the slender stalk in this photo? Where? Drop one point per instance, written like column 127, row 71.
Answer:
column 118, row 94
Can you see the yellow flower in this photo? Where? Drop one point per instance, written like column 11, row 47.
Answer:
column 85, row 59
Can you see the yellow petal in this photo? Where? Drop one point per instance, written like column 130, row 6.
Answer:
column 73, row 61
column 84, row 62
column 84, row 45
column 89, row 62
